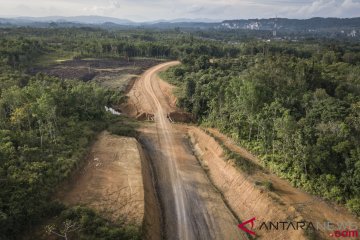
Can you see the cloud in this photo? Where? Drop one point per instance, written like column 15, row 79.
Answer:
column 332, row 8
column 141, row 10
column 115, row 4
column 196, row 9
column 350, row 4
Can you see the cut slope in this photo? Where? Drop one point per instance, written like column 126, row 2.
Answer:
column 247, row 199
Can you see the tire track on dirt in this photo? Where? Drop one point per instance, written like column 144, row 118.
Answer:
column 192, row 208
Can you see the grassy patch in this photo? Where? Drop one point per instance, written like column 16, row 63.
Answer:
column 79, row 222
column 242, row 163
column 123, row 126
column 117, row 82
column 354, row 206
column 266, row 184
column 169, row 76
column 55, row 57
column 311, row 234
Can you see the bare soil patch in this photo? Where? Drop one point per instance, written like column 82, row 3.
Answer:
column 111, row 182
column 106, row 71
column 139, row 105
column 181, row 117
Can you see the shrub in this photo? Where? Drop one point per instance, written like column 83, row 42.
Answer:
column 354, row 205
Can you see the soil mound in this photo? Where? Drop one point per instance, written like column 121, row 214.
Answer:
column 181, row 117
column 145, row 116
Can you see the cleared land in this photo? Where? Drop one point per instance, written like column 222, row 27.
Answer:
column 192, row 208
column 111, row 182
column 115, row 73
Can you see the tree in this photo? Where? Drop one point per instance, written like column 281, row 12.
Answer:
column 68, row 227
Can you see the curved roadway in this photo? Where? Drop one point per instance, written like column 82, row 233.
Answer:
column 191, row 207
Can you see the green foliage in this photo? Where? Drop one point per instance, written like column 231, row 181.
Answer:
column 49, row 45
column 45, row 128
column 299, row 113
column 123, row 126
column 242, row 163
column 354, row 205
column 20, row 52
column 311, row 234
column 269, row 186
column 88, row 225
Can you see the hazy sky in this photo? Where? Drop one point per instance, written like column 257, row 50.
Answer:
column 144, row 10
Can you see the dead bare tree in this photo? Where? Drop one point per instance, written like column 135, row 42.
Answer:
column 68, row 227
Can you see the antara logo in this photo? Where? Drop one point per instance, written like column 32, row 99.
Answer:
column 242, row 226
column 275, row 226
column 351, row 229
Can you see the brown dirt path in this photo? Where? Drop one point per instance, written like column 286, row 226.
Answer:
column 191, row 206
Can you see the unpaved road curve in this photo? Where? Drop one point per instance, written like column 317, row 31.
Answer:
column 191, row 207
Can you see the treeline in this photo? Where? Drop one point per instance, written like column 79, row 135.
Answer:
column 46, row 125
column 19, row 52
column 95, row 43
column 25, row 45
column 45, row 128
column 300, row 113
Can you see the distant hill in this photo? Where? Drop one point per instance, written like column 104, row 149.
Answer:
column 348, row 25
column 311, row 24
column 187, row 20
column 76, row 19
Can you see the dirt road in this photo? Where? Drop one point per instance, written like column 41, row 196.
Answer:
column 191, row 206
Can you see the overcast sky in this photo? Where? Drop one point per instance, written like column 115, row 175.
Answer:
column 145, row 10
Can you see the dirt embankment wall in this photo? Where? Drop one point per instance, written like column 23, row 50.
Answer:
column 152, row 216
column 245, row 198
column 117, row 182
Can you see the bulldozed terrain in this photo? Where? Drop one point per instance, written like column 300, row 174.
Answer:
column 191, row 206
column 113, row 73
column 202, row 193
column 111, row 181
column 178, row 182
